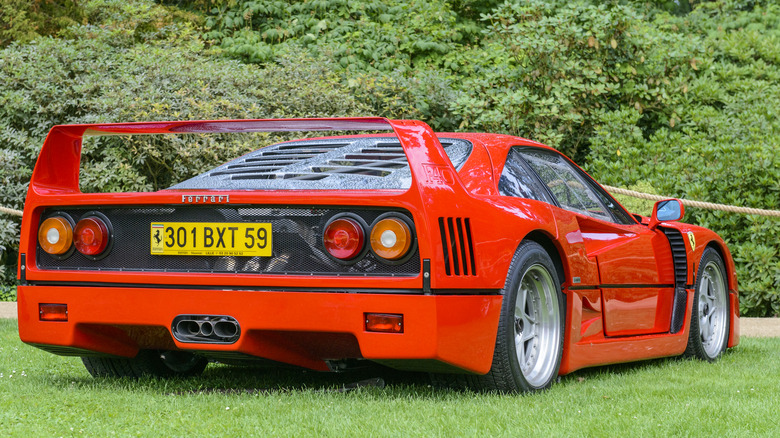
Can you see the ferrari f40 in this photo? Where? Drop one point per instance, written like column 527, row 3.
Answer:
column 490, row 261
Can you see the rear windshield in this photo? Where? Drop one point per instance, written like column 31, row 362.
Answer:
column 362, row 163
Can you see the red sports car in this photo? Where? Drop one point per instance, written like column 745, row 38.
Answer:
column 487, row 260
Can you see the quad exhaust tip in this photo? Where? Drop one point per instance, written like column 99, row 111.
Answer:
column 208, row 329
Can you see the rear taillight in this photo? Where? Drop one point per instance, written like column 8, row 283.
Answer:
column 91, row 236
column 55, row 235
column 391, row 238
column 344, row 238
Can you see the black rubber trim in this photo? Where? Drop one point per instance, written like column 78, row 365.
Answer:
column 269, row 288
column 23, row 269
column 620, row 286
column 426, row 267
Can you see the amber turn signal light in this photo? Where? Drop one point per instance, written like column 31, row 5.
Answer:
column 55, row 235
column 391, row 238
column 53, row 312
column 91, row 236
column 343, row 238
column 384, row 322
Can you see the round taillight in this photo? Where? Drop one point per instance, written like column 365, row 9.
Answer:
column 343, row 238
column 55, row 235
column 391, row 238
column 91, row 236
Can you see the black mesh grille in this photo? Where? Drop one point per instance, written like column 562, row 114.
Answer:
column 297, row 243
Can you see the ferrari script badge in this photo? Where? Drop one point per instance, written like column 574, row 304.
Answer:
column 205, row 199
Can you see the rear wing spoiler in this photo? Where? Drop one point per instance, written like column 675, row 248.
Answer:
column 57, row 168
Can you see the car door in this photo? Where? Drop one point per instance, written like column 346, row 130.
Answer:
column 635, row 269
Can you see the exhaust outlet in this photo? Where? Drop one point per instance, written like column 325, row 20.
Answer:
column 225, row 329
column 189, row 327
column 206, row 329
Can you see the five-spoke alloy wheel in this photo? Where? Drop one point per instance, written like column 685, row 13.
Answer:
column 529, row 343
column 710, row 311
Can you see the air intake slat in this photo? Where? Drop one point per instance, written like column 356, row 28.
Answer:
column 457, row 246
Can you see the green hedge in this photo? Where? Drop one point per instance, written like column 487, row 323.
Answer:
column 135, row 61
column 723, row 148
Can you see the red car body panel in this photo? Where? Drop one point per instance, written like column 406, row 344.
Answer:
column 617, row 279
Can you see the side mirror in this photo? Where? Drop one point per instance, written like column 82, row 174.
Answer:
column 668, row 210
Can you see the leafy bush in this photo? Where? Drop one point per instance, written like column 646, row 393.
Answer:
column 555, row 66
column 135, row 61
column 366, row 35
column 25, row 20
column 723, row 148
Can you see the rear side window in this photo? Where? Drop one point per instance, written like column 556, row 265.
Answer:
column 571, row 190
column 518, row 179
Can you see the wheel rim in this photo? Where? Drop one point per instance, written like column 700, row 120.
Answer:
column 713, row 309
column 537, row 326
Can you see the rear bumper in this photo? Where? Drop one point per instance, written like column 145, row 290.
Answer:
column 298, row 328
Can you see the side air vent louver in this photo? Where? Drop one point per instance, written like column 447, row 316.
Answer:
column 457, row 245
column 680, row 258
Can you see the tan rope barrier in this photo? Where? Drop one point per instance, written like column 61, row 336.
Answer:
column 618, row 190
column 695, row 204
column 10, row 211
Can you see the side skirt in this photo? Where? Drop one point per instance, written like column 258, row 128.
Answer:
column 595, row 349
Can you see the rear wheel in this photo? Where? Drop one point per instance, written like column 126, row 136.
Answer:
column 710, row 311
column 529, row 343
column 153, row 363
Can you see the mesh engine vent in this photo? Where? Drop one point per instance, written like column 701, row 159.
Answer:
column 362, row 163
column 457, row 245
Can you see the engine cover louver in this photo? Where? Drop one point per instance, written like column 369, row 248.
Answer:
column 457, row 246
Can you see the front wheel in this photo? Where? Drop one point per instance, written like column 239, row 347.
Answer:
column 153, row 363
column 529, row 343
column 710, row 311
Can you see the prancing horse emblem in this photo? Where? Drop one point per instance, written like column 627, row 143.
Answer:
column 692, row 239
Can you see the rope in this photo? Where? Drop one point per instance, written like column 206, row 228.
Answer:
column 696, row 204
column 640, row 195
column 10, row 211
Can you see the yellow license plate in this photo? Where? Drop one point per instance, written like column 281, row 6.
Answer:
column 211, row 239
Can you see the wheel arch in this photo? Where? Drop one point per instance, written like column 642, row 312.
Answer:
column 725, row 255
column 549, row 244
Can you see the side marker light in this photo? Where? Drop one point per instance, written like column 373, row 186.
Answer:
column 384, row 322
column 53, row 312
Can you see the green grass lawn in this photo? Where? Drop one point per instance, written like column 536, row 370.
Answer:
column 46, row 395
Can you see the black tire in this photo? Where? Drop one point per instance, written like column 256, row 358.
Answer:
column 710, row 311
column 152, row 363
column 531, row 268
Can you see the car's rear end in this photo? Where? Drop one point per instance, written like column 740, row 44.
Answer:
column 306, row 253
